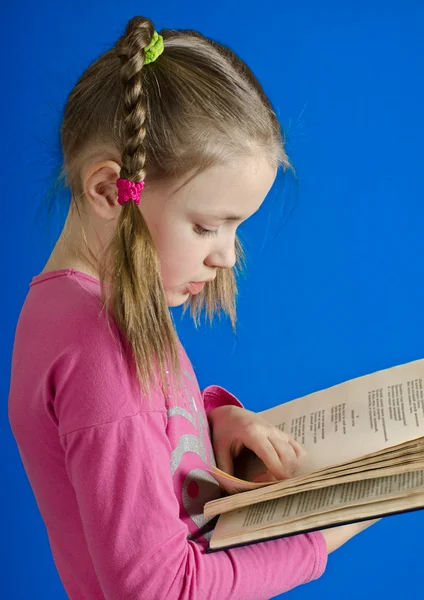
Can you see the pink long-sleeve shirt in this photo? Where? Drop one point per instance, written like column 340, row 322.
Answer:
column 121, row 484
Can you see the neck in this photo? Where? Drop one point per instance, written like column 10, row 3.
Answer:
column 68, row 252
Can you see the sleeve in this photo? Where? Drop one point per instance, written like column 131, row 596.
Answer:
column 130, row 515
column 118, row 459
column 215, row 396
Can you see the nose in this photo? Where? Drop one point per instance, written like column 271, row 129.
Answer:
column 223, row 258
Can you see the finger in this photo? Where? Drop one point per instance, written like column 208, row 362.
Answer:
column 224, row 461
column 265, row 450
column 299, row 450
column 267, row 476
column 287, row 455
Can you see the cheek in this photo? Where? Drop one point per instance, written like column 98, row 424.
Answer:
column 179, row 255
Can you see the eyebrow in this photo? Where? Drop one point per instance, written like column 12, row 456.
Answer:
column 226, row 217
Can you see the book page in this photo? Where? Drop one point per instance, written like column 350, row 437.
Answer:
column 228, row 504
column 342, row 516
column 292, row 509
column 351, row 419
column 403, row 454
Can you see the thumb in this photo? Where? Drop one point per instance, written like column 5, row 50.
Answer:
column 224, row 462
column 267, row 476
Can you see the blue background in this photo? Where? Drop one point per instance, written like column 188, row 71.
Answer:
column 334, row 285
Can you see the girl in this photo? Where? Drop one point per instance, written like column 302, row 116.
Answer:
column 169, row 143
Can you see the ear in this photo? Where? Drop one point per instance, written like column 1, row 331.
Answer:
column 99, row 184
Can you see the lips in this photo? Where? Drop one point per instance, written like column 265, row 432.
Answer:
column 196, row 287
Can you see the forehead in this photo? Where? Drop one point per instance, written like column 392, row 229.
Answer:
column 231, row 191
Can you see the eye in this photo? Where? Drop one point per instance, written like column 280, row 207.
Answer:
column 204, row 232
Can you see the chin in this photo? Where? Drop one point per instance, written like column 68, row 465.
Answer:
column 174, row 299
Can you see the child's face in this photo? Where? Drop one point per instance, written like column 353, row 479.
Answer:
column 175, row 219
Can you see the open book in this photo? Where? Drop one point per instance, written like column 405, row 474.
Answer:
column 364, row 440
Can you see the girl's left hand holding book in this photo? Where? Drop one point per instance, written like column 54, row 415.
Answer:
column 234, row 428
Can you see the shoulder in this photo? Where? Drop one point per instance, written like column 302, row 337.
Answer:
column 92, row 370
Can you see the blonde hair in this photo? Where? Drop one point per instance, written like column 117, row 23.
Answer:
column 196, row 106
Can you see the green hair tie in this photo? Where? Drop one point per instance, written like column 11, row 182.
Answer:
column 154, row 49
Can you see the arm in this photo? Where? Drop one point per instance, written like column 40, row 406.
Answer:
column 118, row 459
column 130, row 515
column 337, row 536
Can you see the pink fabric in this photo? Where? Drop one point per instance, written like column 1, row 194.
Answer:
column 120, row 485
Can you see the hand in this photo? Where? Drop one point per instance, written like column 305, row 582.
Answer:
column 234, row 428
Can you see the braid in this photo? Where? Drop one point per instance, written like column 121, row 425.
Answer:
column 137, row 283
column 130, row 49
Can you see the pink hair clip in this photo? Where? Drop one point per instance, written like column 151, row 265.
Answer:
column 129, row 190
